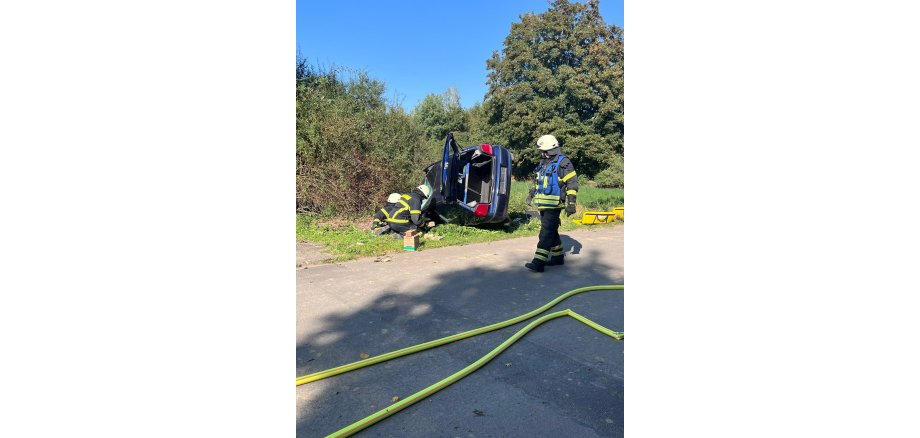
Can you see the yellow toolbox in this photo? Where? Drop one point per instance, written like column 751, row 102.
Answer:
column 600, row 217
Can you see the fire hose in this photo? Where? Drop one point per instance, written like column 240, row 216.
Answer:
column 408, row 401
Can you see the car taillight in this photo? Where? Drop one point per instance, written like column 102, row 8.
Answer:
column 481, row 210
column 487, row 148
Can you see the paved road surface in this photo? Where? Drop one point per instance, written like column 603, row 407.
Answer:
column 310, row 254
column 561, row 380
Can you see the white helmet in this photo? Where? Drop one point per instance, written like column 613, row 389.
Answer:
column 393, row 198
column 547, row 142
column 425, row 190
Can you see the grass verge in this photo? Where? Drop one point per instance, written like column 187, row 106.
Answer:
column 348, row 239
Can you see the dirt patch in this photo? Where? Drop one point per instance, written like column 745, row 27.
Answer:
column 310, row 254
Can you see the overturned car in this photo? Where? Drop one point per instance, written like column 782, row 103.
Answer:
column 470, row 185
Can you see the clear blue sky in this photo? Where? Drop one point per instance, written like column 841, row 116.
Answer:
column 417, row 47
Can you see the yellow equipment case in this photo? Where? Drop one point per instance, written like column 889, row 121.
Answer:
column 600, row 217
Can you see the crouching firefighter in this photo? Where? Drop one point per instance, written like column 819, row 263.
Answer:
column 555, row 189
column 380, row 225
column 408, row 211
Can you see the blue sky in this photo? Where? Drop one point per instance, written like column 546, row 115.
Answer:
column 416, row 47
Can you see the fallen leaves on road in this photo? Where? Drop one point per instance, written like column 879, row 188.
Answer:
column 478, row 412
column 383, row 259
column 364, row 355
column 395, row 398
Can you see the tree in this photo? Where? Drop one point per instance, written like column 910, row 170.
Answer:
column 439, row 114
column 560, row 72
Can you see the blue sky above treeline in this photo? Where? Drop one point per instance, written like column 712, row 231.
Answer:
column 416, row 47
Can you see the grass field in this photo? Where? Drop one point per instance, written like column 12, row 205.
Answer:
column 589, row 197
column 348, row 239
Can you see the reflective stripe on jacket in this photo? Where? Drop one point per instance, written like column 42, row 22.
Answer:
column 556, row 179
column 399, row 213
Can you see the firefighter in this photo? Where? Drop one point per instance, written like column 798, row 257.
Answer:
column 554, row 190
column 409, row 212
column 380, row 225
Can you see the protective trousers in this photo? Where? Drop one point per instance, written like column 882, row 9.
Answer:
column 402, row 228
column 550, row 244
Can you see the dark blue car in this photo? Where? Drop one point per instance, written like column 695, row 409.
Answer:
column 471, row 185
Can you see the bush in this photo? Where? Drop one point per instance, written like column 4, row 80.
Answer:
column 612, row 176
column 353, row 148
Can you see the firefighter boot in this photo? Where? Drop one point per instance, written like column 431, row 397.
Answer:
column 535, row 265
column 556, row 255
column 556, row 260
column 539, row 260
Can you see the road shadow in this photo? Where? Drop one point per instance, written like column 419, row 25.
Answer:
column 570, row 245
column 562, row 379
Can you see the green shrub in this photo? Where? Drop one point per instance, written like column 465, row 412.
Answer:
column 612, row 176
column 353, row 148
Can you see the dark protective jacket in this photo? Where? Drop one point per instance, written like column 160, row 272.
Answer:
column 568, row 178
column 407, row 213
column 396, row 213
column 382, row 216
column 417, row 203
column 404, row 214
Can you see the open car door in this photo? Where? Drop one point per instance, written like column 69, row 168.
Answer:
column 449, row 165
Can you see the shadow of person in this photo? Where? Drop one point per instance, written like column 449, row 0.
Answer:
column 570, row 245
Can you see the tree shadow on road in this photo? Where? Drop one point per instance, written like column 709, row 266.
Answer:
column 562, row 379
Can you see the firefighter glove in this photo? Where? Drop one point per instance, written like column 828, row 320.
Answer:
column 570, row 205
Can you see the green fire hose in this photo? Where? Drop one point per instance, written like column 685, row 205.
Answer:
column 408, row 401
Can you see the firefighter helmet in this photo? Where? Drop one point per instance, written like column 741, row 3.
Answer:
column 547, row 142
column 425, row 190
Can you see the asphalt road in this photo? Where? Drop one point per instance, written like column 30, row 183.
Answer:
column 563, row 379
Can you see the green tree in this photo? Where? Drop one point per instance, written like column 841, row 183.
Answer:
column 477, row 127
column 612, row 176
column 438, row 114
column 435, row 116
column 560, row 73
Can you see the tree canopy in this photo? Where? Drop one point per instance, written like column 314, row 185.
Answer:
column 560, row 72
column 437, row 114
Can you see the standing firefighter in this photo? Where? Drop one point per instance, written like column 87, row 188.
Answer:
column 555, row 189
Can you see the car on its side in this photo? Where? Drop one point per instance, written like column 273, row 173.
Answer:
column 471, row 185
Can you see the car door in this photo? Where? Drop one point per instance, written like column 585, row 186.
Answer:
column 449, row 169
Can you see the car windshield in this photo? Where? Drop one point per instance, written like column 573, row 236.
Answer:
column 427, row 200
